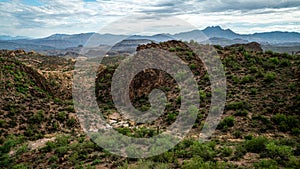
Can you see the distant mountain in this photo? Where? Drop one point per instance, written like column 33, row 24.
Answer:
column 210, row 35
column 224, row 41
column 154, row 38
column 27, row 47
column 6, row 37
column 63, row 41
column 128, row 45
column 217, row 32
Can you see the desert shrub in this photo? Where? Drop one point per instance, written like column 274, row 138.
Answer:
column 2, row 122
column 237, row 134
column 239, row 152
column 166, row 157
column 96, row 161
column 253, row 91
column 145, row 164
column 22, row 89
column 202, row 95
column 237, row 105
column 280, row 153
column 198, row 163
column 62, row 140
column 294, row 162
column 37, row 117
column 226, row 151
column 144, row 132
column 241, row 113
column 205, row 151
column 145, row 108
column 20, row 166
column 235, row 79
column 274, row 60
column 262, row 118
column 269, row 52
column 61, row 116
column 293, row 86
column 218, row 47
column 253, row 69
column 248, row 137
column 71, row 122
column 256, row 145
column 22, row 149
column 247, row 79
column 61, row 151
column 49, row 146
column 241, row 48
column 5, row 160
column 259, row 73
column 285, row 63
column 172, row 49
column 53, row 159
column 269, row 76
column 193, row 66
column 125, row 131
column 171, row 117
column 70, row 108
column 226, row 122
column 270, row 164
column 286, row 123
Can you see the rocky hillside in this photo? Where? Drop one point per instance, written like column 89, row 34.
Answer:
column 260, row 126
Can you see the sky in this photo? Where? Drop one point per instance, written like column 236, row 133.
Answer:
column 41, row 18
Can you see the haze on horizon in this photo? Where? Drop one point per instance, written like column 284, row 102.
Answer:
column 41, row 18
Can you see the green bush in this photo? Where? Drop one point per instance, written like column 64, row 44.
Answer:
column 237, row 134
column 274, row 60
column 172, row 49
column 193, row 66
column 266, row 164
column 243, row 113
column 53, row 159
column 237, row 105
column 280, row 153
column 198, row 163
column 285, row 63
column 205, row 151
column 71, row 122
column 38, row 117
column 61, row 151
column 269, row 52
column 20, row 166
column 171, row 117
column 269, row 76
column 226, row 151
column 256, row 145
column 253, row 69
column 286, row 123
column 253, row 91
column 247, row 79
column 61, row 116
column 226, row 122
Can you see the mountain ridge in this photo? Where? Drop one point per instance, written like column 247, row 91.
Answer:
column 211, row 35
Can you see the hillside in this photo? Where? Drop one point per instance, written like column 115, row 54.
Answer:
column 260, row 126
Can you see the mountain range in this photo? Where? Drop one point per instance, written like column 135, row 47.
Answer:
column 210, row 35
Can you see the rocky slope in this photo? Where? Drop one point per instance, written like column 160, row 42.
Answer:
column 259, row 127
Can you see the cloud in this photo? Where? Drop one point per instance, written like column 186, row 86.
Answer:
column 43, row 17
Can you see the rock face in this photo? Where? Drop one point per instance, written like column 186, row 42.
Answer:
column 147, row 80
column 252, row 47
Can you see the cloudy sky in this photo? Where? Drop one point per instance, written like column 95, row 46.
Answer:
column 40, row 18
